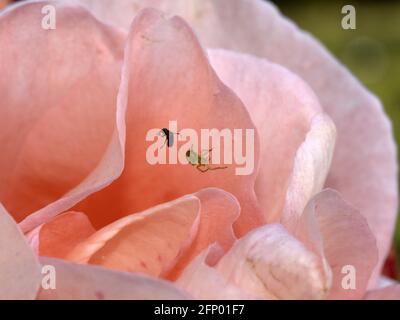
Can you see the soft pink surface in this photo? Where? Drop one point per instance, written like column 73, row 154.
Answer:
column 336, row 231
column 19, row 267
column 160, row 49
column 59, row 134
column 72, row 129
column 388, row 293
column 296, row 138
column 364, row 165
column 79, row 282
column 57, row 237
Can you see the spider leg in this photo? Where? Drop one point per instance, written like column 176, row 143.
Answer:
column 199, row 166
column 217, row 168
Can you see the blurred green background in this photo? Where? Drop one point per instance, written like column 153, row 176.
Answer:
column 371, row 52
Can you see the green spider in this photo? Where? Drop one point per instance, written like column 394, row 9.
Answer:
column 200, row 162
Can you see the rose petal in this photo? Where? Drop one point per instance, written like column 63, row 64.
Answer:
column 84, row 282
column 219, row 210
column 57, row 113
column 296, row 138
column 158, row 50
column 114, row 244
column 270, row 263
column 149, row 242
column 19, row 268
column 345, row 240
column 365, row 146
column 204, row 282
column 385, row 282
column 311, row 165
column 61, row 234
column 387, row 293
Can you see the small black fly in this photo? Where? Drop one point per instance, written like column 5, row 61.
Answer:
column 169, row 137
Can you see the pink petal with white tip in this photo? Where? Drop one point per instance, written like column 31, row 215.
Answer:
column 84, row 282
column 19, row 267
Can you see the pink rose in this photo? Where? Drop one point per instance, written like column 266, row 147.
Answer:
column 77, row 101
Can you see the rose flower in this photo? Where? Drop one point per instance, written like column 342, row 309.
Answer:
column 314, row 219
